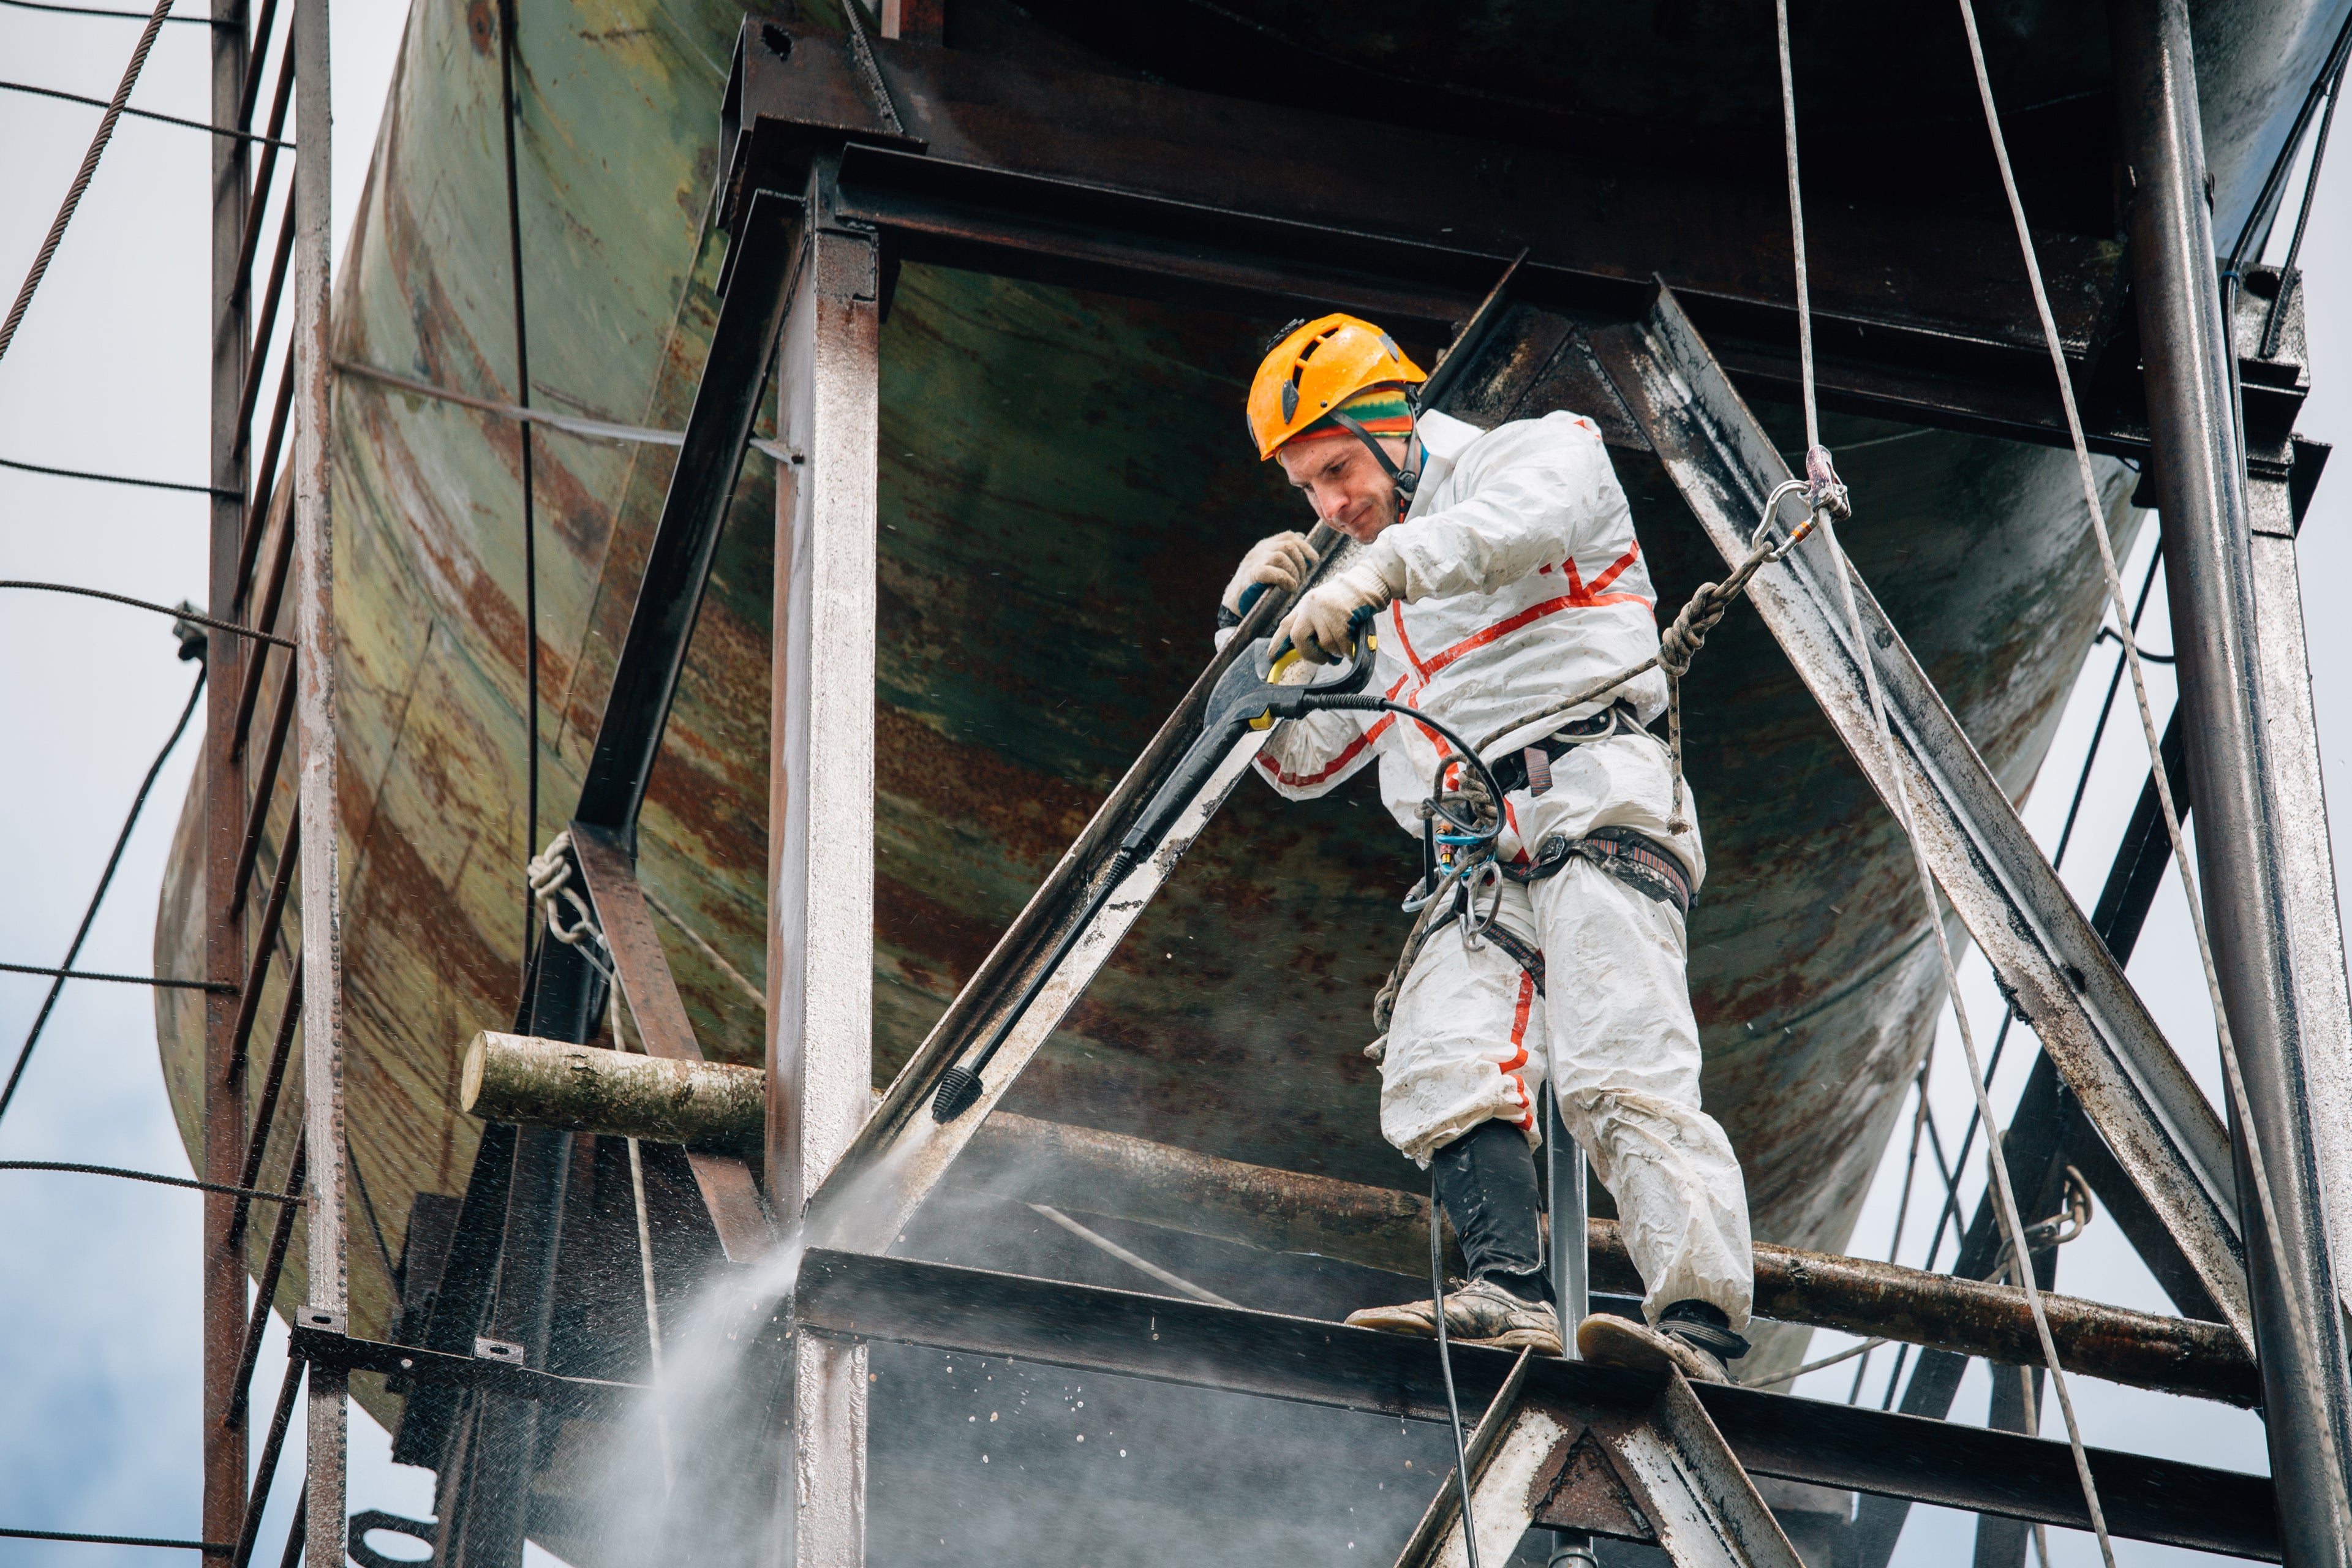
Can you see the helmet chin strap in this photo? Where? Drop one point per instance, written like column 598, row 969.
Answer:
column 1407, row 479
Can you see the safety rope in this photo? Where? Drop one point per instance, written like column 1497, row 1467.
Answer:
column 1797, row 229
column 645, row 1249
column 2012, row 1224
column 549, row 874
column 81, row 179
column 2232, row 1074
column 1445, row 1363
column 2042, row 1236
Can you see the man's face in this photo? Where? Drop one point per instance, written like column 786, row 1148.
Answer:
column 1347, row 489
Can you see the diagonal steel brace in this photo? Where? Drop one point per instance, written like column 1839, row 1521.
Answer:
column 1662, row 1475
column 2131, row 1084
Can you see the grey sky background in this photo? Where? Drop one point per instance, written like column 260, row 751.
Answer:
column 98, row 1278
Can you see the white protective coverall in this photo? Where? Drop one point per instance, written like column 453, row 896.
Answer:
column 1523, row 579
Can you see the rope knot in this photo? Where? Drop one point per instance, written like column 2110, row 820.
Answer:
column 1680, row 642
column 549, row 874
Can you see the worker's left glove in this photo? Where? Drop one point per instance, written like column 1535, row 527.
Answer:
column 1317, row 624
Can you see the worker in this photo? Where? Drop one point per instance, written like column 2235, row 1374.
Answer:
column 1503, row 571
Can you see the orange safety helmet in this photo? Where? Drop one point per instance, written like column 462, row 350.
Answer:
column 1315, row 367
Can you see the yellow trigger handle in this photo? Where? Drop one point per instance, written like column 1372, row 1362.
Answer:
column 1284, row 659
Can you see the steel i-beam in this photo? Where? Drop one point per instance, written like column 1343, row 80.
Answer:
column 515, row 1187
column 820, row 1046
column 2209, row 580
column 223, row 1438
column 1267, row 1355
column 326, row 1429
column 2130, row 1084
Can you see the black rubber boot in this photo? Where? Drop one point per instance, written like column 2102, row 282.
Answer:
column 1487, row 1182
column 1705, row 1325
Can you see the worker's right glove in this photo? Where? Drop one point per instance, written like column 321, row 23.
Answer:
column 1319, row 625
column 1281, row 561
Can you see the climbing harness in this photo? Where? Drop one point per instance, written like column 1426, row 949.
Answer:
column 1459, row 866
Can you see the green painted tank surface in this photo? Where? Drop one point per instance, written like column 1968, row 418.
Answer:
column 1064, row 490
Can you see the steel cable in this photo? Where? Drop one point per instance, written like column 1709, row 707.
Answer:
column 58, row 93
column 507, row 24
column 81, row 179
column 161, row 982
column 182, row 614
column 105, row 880
column 2287, row 274
column 210, row 1548
column 100, row 11
column 2241, row 1109
column 76, row 1168
column 218, row 491
column 2012, row 1224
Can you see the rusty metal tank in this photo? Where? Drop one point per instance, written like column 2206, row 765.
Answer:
column 1063, row 493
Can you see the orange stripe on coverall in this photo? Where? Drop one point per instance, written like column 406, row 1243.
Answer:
column 1576, row 599
column 1348, row 754
column 1519, row 1039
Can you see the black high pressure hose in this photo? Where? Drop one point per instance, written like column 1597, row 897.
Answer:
column 1445, row 1364
column 960, row 1085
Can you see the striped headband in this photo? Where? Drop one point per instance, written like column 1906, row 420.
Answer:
column 1382, row 410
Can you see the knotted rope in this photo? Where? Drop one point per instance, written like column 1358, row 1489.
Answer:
column 1679, row 644
column 549, row 874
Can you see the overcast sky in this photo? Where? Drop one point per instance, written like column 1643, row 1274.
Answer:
column 98, row 1290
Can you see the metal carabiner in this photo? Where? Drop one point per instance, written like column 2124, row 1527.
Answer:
column 1771, row 513
column 1416, row 900
column 1474, row 924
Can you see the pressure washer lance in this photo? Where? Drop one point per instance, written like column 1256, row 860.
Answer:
column 1252, row 695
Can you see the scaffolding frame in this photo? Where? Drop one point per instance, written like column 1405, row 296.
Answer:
column 826, row 187
column 271, row 551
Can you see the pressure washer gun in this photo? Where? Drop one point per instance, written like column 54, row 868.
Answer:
column 1253, row 694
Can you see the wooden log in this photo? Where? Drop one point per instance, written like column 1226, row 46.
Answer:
column 534, row 1082
column 546, row 1083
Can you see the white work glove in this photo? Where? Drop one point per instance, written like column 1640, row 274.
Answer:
column 1317, row 624
column 1281, row 561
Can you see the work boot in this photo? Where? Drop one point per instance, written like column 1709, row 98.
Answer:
column 1692, row 1335
column 1481, row 1312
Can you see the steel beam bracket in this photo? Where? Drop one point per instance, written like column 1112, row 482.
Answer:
column 408, row 1366
column 791, row 94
